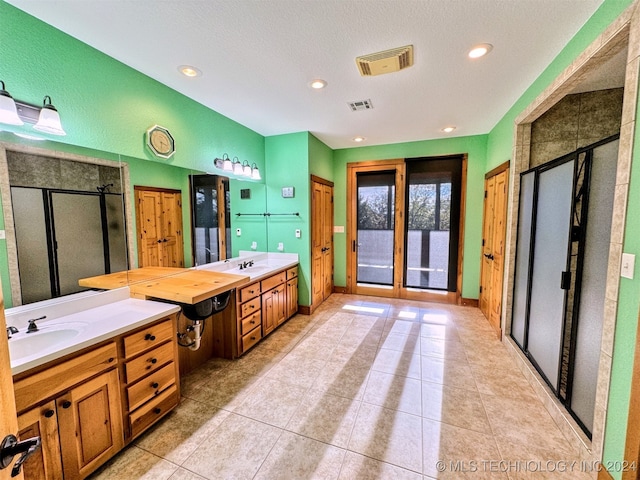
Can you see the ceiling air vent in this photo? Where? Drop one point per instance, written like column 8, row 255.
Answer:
column 388, row 61
column 360, row 105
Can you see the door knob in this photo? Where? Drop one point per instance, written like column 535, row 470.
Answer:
column 11, row 447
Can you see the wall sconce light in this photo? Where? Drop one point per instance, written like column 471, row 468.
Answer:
column 14, row 112
column 246, row 169
column 237, row 166
column 255, row 173
column 227, row 166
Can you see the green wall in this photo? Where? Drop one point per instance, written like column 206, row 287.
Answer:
column 288, row 159
column 320, row 159
column 474, row 146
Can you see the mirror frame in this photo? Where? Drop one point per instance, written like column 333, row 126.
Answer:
column 7, row 206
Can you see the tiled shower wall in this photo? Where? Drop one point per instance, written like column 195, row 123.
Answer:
column 575, row 121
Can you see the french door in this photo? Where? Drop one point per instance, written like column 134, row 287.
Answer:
column 404, row 227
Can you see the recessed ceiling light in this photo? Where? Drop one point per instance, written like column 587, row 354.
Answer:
column 189, row 71
column 448, row 129
column 480, row 50
column 318, row 83
column 358, row 139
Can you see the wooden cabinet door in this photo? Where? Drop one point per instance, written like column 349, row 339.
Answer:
column 292, row 297
column 280, row 294
column 45, row 463
column 159, row 224
column 90, row 425
column 268, row 313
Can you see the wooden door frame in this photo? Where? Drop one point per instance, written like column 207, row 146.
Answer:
column 632, row 443
column 398, row 291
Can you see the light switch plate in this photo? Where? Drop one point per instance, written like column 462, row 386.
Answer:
column 628, row 265
column 288, row 192
column 2, row 235
column 338, row 229
column 238, row 232
column 298, row 233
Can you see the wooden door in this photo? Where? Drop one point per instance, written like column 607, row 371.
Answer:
column 493, row 244
column 42, row 421
column 8, row 418
column 90, row 425
column 487, row 245
column 159, row 224
column 321, row 240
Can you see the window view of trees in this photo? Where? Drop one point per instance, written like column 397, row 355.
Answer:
column 375, row 209
column 429, row 206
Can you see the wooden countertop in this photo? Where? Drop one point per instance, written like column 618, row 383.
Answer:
column 176, row 284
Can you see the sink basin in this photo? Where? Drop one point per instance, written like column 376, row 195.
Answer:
column 251, row 271
column 24, row 344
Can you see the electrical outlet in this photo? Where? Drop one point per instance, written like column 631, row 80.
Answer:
column 628, row 265
column 280, row 246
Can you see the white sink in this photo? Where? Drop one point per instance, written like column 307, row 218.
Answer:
column 24, row 344
column 251, row 271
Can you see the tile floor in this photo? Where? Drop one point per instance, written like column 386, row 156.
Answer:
column 365, row 388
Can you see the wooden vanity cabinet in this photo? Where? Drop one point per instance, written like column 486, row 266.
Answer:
column 88, row 406
column 264, row 305
column 150, row 382
column 76, row 412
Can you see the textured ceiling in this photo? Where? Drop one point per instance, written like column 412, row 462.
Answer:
column 258, row 57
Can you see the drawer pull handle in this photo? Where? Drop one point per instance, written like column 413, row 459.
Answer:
column 252, row 322
column 155, row 385
column 153, row 360
column 251, row 291
column 149, row 337
column 157, row 411
column 253, row 338
column 111, row 359
column 66, row 404
column 252, row 306
column 49, row 413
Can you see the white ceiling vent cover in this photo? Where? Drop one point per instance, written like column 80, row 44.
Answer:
column 388, row 61
column 360, row 105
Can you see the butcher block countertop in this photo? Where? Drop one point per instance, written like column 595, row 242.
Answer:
column 182, row 285
column 191, row 286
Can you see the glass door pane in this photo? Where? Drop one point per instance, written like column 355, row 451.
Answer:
column 433, row 212
column 375, row 234
column 205, row 219
column 551, row 238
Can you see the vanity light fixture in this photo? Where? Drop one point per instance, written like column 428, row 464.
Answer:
column 318, row 84
column 255, row 173
column 480, row 50
column 189, row 71
column 448, row 129
column 14, row 112
column 237, row 166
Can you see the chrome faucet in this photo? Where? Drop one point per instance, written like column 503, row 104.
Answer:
column 11, row 331
column 32, row 324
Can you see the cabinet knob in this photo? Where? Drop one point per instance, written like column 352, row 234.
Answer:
column 66, row 404
column 149, row 337
column 157, row 410
column 251, row 291
column 253, row 338
column 155, row 385
column 49, row 413
column 252, row 306
column 252, row 322
column 153, row 360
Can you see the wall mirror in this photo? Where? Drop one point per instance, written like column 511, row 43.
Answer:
column 68, row 216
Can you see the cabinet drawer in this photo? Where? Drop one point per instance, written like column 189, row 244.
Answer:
column 251, row 338
column 274, row 281
column 151, row 386
column 247, row 293
column 250, row 307
column 55, row 379
column 148, row 338
column 153, row 410
column 250, row 322
column 148, row 362
column 292, row 273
